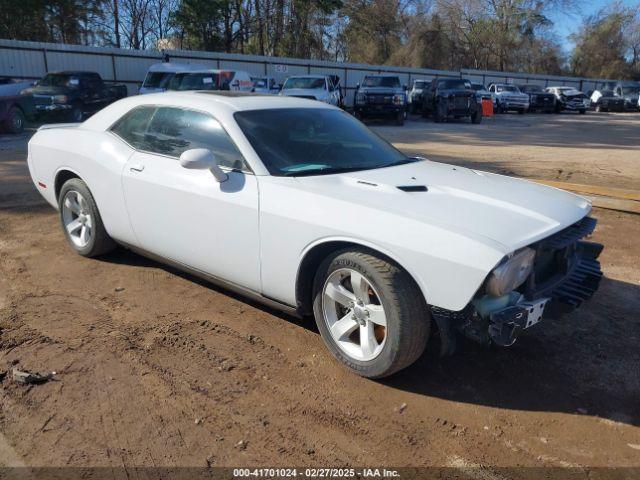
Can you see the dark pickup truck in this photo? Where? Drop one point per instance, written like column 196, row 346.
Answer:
column 16, row 107
column 381, row 96
column 539, row 100
column 73, row 95
column 451, row 97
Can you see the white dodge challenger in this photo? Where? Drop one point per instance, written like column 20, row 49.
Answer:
column 298, row 204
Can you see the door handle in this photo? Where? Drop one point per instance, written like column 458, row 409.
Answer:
column 137, row 167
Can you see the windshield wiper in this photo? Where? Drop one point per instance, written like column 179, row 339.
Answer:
column 327, row 170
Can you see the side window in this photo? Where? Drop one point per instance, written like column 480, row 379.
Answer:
column 174, row 130
column 132, row 127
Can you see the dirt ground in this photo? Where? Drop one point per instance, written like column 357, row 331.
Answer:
column 155, row 368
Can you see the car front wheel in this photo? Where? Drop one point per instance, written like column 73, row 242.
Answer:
column 370, row 313
column 81, row 221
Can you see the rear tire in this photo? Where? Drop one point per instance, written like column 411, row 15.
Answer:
column 476, row 117
column 81, row 221
column 15, row 121
column 388, row 296
column 400, row 119
column 582, row 112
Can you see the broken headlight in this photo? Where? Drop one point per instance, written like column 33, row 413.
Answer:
column 511, row 273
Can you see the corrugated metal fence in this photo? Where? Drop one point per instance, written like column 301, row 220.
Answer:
column 31, row 60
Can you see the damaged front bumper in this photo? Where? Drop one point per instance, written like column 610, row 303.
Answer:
column 567, row 273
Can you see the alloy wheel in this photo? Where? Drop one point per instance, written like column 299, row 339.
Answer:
column 77, row 218
column 354, row 314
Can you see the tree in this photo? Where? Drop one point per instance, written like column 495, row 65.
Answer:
column 601, row 46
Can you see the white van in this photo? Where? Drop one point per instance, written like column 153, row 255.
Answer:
column 159, row 75
column 210, row 79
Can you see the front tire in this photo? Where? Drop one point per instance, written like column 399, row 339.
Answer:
column 81, row 221
column 370, row 313
column 476, row 117
column 400, row 118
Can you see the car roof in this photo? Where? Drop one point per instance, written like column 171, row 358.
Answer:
column 221, row 103
column 307, row 76
column 76, row 73
column 175, row 67
column 210, row 70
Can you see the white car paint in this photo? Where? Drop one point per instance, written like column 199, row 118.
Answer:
column 254, row 229
column 327, row 93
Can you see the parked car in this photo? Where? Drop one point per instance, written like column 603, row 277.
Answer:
column 509, row 98
column 481, row 91
column 335, row 79
column 211, row 79
column 606, row 101
column 312, row 87
column 381, row 96
column 15, row 109
column 451, row 97
column 568, row 98
column 10, row 87
column 378, row 245
column 630, row 93
column 539, row 100
column 72, row 95
column 414, row 97
column 265, row 85
column 159, row 75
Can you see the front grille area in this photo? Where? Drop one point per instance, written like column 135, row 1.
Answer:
column 460, row 102
column 566, row 268
column 379, row 99
column 43, row 99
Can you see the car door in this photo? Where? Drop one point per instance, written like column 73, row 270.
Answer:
column 186, row 216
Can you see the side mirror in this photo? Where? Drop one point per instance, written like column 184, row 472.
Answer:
column 202, row 159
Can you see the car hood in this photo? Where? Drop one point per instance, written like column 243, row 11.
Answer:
column 513, row 94
column 307, row 92
column 503, row 212
column 456, row 91
column 48, row 90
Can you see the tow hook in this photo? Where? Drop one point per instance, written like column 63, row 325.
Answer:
column 506, row 325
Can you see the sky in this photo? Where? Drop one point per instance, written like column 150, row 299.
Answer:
column 567, row 23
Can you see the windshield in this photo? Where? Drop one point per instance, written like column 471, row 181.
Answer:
column 157, row 79
column 58, row 80
column 606, row 93
column 631, row 90
column 477, row 86
column 454, row 84
column 200, row 81
column 419, row 85
column 389, row 82
column 315, row 141
column 507, row 88
column 304, row 82
column 531, row 88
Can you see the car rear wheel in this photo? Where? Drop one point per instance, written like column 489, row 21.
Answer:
column 476, row 117
column 370, row 313
column 400, row 118
column 15, row 121
column 81, row 221
column 582, row 112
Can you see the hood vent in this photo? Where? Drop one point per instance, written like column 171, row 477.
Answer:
column 413, row 188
